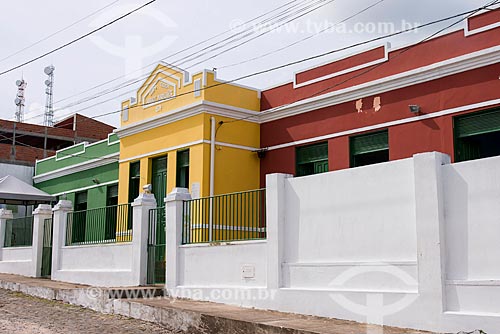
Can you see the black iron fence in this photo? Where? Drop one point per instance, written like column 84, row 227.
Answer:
column 232, row 217
column 110, row 224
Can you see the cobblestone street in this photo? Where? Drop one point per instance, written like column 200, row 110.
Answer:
column 28, row 315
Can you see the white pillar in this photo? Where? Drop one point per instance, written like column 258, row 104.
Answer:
column 174, row 218
column 42, row 212
column 140, row 230
column 4, row 215
column 60, row 220
column 275, row 221
column 430, row 223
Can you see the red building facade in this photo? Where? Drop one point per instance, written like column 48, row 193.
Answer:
column 370, row 94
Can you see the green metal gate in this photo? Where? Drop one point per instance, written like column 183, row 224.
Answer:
column 47, row 248
column 156, row 246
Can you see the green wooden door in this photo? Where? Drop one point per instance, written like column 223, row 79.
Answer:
column 159, row 178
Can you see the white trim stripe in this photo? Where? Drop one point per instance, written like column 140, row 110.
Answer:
column 401, row 80
column 388, row 124
column 85, row 188
column 186, row 145
column 163, row 150
column 384, row 59
column 90, row 164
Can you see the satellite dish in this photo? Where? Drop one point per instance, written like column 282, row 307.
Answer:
column 17, row 101
column 19, row 83
column 49, row 70
column 48, row 83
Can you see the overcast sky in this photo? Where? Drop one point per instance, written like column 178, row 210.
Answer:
column 168, row 26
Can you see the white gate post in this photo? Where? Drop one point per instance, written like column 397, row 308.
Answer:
column 4, row 215
column 60, row 221
column 275, row 222
column 140, row 230
column 42, row 212
column 430, row 223
column 174, row 217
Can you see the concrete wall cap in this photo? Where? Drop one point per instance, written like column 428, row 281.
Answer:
column 145, row 199
column 178, row 194
column 43, row 209
column 63, row 205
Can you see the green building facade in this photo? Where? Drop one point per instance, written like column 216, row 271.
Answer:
column 86, row 174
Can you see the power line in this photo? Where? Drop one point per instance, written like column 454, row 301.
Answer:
column 299, row 11
column 76, row 39
column 302, row 40
column 180, row 51
column 295, row 5
column 59, row 31
column 471, row 12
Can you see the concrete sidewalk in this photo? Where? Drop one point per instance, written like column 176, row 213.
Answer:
column 186, row 316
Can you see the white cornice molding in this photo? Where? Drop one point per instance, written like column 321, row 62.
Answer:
column 186, row 112
column 85, row 188
column 417, row 76
column 187, row 145
column 105, row 160
column 485, row 104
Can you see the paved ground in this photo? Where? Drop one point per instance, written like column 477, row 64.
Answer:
column 28, row 315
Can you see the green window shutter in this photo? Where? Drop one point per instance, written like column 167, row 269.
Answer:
column 183, row 159
column 135, row 169
column 372, row 142
column 183, row 169
column 112, row 191
column 477, row 124
column 313, row 153
column 81, row 198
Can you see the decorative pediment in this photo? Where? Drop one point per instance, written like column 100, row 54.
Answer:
column 162, row 84
column 159, row 90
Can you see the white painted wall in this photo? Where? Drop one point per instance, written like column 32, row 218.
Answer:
column 472, row 211
column 106, row 265
column 419, row 234
column 350, row 217
column 209, row 265
column 16, row 260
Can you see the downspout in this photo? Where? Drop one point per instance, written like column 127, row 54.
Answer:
column 212, row 177
column 212, row 155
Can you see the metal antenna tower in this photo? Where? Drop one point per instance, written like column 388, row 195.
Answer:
column 49, row 104
column 19, row 101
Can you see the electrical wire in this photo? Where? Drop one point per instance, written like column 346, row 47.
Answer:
column 76, row 39
column 470, row 13
column 301, row 40
column 59, row 31
column 287, row 11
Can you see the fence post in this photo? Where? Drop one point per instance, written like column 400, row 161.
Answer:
column 141, row 207
column 60, row 221
column 430, row 223
column 42, row 212
column 275, row 222
column 4, row 215
column 174, row 216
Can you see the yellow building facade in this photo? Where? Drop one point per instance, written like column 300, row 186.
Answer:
column 191, row 131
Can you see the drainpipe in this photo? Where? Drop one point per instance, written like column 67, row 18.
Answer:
column 212, row 154
column 212, row 175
